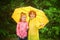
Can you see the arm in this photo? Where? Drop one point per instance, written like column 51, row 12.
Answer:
column 39, row 25
column 27, row 25
column 17, row 29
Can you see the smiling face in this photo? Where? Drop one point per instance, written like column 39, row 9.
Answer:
column 23, row 18
column 32, row 14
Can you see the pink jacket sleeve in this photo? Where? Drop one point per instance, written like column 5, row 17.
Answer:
column 17, row 29
column 27, row 26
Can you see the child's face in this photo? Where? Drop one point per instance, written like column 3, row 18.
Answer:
column 32, row 15
column 23, row 18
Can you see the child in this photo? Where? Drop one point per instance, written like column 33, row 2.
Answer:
column 34, row 24
column 22, row 27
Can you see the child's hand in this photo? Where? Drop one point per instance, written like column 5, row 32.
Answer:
column 41, row 24
column 22, row 37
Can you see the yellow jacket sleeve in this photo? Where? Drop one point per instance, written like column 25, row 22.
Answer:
column 39, row 25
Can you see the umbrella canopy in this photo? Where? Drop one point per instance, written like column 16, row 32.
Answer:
column 41, row 17
column 16, row 14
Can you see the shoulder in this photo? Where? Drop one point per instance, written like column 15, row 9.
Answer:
column 35, row 20
column 19, row 23
column 26, row 22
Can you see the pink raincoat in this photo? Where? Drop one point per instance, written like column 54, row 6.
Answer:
column 21, row 29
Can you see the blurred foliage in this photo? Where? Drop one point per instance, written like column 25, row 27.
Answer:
column 51, row 7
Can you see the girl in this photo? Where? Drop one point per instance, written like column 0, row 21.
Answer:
column 33, row 33
column 22, row 27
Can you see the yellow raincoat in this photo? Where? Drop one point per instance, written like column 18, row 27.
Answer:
column 33, row 33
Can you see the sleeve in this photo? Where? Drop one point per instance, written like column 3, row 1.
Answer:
column 39, row 25
column 17, row 29
column 27, row 26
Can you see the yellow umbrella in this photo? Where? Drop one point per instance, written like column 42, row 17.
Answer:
column 16, row 14
column 40, row 14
